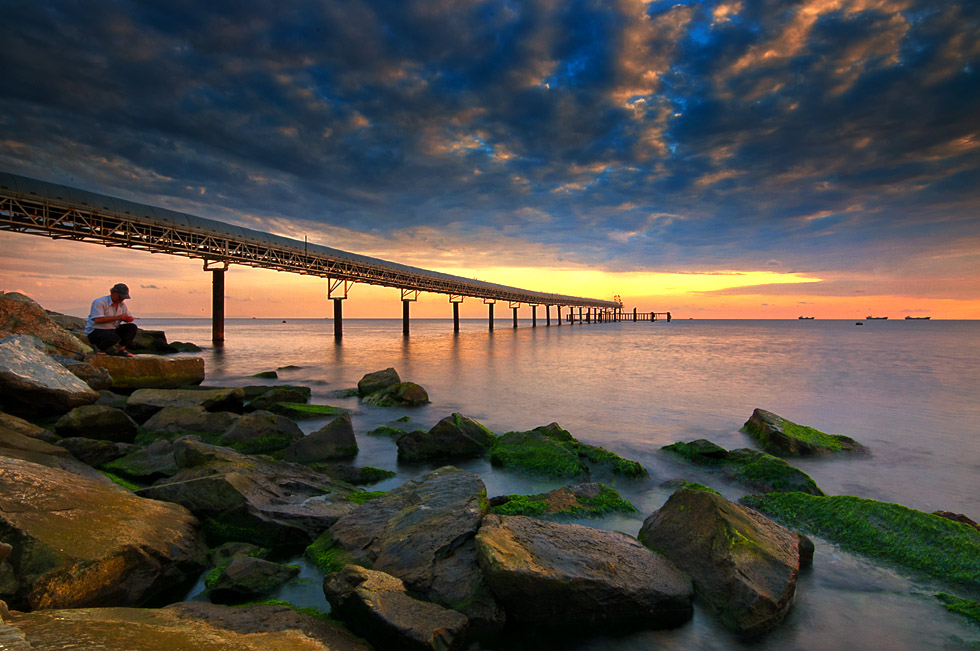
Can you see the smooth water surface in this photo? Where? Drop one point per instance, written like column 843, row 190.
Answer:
column 906, row 389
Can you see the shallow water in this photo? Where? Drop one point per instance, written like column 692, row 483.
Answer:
column 906, row 389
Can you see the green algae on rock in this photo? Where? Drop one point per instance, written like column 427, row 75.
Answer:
column 943, row 549
column 966, row 607
column 300, row 410
column 585, row 500
column 755, row 469
column 783, row 437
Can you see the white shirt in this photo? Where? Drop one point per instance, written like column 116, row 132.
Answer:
column 104, row 307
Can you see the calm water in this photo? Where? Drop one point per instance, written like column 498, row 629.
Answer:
column 906, row 389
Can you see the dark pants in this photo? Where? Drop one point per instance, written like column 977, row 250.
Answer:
column 123, row 334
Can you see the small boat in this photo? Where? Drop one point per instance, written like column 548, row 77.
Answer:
column 858, row 323
column 917, row 318
column 805, row 318
column 875, row 318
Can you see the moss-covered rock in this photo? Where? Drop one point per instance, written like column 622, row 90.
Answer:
column 585, row 500
column 455, row 436
column 374, row 382
column 966, row 607
column 272, row 395
column 261, row 432
column 785, row 438
column 757, row 470
column 402, row 394
column 247, row 577
column 946, row 550
column 301, row 411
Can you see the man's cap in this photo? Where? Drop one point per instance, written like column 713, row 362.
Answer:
column 120, row 289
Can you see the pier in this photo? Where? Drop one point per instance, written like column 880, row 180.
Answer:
column 40, row 208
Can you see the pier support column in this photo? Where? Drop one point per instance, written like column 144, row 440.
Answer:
column 338, row 318
column 668, row 317
column 634, row 315
column 547, row 315
column 534, row 316
column 559, row 313
column 588, row 315
column 337, row 292
column 408, row 296
column 218, row 304
column 490, row 304
column 580, row 322
column 455, row 299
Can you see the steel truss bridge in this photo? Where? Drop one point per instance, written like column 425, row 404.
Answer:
column 61, row 212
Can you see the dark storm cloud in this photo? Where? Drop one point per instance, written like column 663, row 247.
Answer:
column 666, row 136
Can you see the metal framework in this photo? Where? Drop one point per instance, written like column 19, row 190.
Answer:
column 60, row 212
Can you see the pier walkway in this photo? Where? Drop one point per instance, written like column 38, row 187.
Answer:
column 61, row 212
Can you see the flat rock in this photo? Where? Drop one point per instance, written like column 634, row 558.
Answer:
column 144, row 403
column 187, row 625
column 377, row 606
column 31, row 382
column 15, row 445
column 97, row 422
column 79, row 543
column 744, row 566
column 146, row 465
column 19, row 314
column 175, row 421
column 22, row 426
column 272, row 395
column 150, row 371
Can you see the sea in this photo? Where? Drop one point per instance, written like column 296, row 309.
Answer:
column 908, row 390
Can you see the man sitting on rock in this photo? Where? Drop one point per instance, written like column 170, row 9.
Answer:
column 110, row 325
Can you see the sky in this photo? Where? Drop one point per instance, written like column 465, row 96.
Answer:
column 729, row 159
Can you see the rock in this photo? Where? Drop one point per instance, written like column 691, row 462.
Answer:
column 31, row 382
column 111, row 399
column 247, row 498
column 97, row 422
column 150, row 371
column 271, row 396
column 568, row 574
column 187, row 625
column 266, row 375
column 334, row 440
column 223, row 554
column 185, row 347
column 373, row 382
column 785, row 438
column 176, row 421
column 19, row 314
column 958, row 517
column 147, row 465
column 377, row 606
column 744, row 565
column 403, row 394
column 81, row 543
column 97, row 378
column 453, row 437
column 94, row 452
column 67, row 321
column 245, row 577
column 357, row 475
column 151, row 341
column 423, row 533
column 303, row 411
column 143, row 403
column 261, row 432
column 18, row 446
column 24, row 427
column 584, row 500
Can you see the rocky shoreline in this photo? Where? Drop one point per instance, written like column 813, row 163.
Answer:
column 123, row 481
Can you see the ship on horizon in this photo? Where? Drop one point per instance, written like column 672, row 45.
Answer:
column 917, row 318
column 805, row 318
column 875, row 318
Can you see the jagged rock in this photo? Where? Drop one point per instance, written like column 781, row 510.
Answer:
column 785, row 438
column 97, row 422
column 19, row 314
column 250, row 498
column 553, row 573
column 143, row 403
column 150, row 371
column 423, row 533
column 246, row 577
column 94, row 452
column 31, row 382
column 373, row 382
column 377, row 606
column 453, row 437
column 271, row 396
column 175, row 421
column 260, row 432
column 335, row 440
column 80, row 543
column 744, row 566
column 147, row 465
column 97, row 378
column 186, row 625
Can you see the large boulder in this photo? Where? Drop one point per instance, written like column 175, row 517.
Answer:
column 785, row 438
column 454, row 437
column 377, row 606
column 246, row 577
column 170, row 422
column 187, row 625
column 31, row 382
column 150, row 371
column 744, row 566
column 335, row 440
column 15, row 445
column 79, row 543
column 373, row 382
column 19, row 314
column 250, row 498
column 94, row 452
column 97, row 422
column 144, row 403
column 563, row 574
column 423, row 533
column 261, row 432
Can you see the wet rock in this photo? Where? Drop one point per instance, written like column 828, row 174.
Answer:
column 423, row 533
column 403, row 394
column 18, row 446
column 245, row 577
column 373, row 382
column 224, row 553
column 744, row 566
column 958, row 517
column 377, row 606
column 269, row 397
column 150, row 371
column 146, row 465
column 94, row 452
column 144, row 403
column 21, row 426
column 785, row 438
column 151, row 341
column 33, row 383
column 583, row 500
column 559, row 574
column 453, row 437
column 20, row 315
column 261, row 432
column 123, row 550
column 94, row 376
column 334, row 440
column 177, row 421
column 97, row 422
